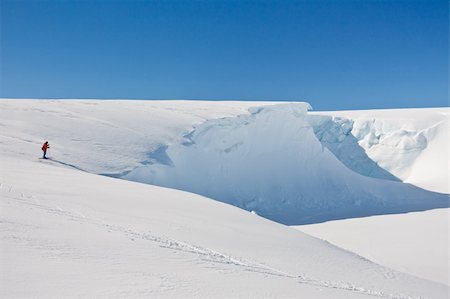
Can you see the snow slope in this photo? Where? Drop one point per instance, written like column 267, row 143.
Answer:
column 272, row 162
column 411, row 144
column 279, row 161
column 96, row 135
column 67, row 233
column 103, row 136
column 54, row 219
column 414, row 145
column 416, row 243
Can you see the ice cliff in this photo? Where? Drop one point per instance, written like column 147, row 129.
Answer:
column 292, row 167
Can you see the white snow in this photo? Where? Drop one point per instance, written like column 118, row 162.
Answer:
column 416, row 243
column 103, row 136
column 428, row 170
column 67, row 233
column 411, row 144
column 70, row 233
column 272, row 162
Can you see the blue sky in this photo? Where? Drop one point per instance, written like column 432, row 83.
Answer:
column 334, row 54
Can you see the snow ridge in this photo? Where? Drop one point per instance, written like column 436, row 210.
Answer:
column 273, row 163
column 95, row 236
column 200, row 252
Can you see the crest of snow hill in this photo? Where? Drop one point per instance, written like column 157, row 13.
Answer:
column 293, row 167
column 279, row 161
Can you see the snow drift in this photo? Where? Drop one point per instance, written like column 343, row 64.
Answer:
column 94, row 236
column 416, row 243
column 282, row 162
column 410, row 144
column 272, row 162
column 70, row 234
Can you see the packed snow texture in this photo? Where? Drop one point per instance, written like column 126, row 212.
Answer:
column 416, row 243
column 95, row 236
column 280, row 161
column 70, row 234
column 101, row 136
column 272, row 162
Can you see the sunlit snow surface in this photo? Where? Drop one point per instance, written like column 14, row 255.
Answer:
column 416, row 243
column 412, row 144
column 272, row 161
column 95, row 236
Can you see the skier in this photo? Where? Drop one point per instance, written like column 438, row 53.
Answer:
column 45, row 146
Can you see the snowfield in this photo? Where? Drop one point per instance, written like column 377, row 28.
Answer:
column 69, row 232
column 272, row 162
column 416, row 243
column 411, row 144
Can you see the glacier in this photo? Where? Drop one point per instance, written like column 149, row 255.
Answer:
column 97, row 236
column 288, row 166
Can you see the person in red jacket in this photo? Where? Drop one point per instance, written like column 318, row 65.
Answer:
column 45, row 146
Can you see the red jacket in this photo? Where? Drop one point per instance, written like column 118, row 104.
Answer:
column 45, row 146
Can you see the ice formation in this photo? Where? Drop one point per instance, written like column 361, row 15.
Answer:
column 278, row 161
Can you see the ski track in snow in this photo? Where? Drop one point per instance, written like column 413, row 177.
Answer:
column 201, row 253
column 406, row 135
